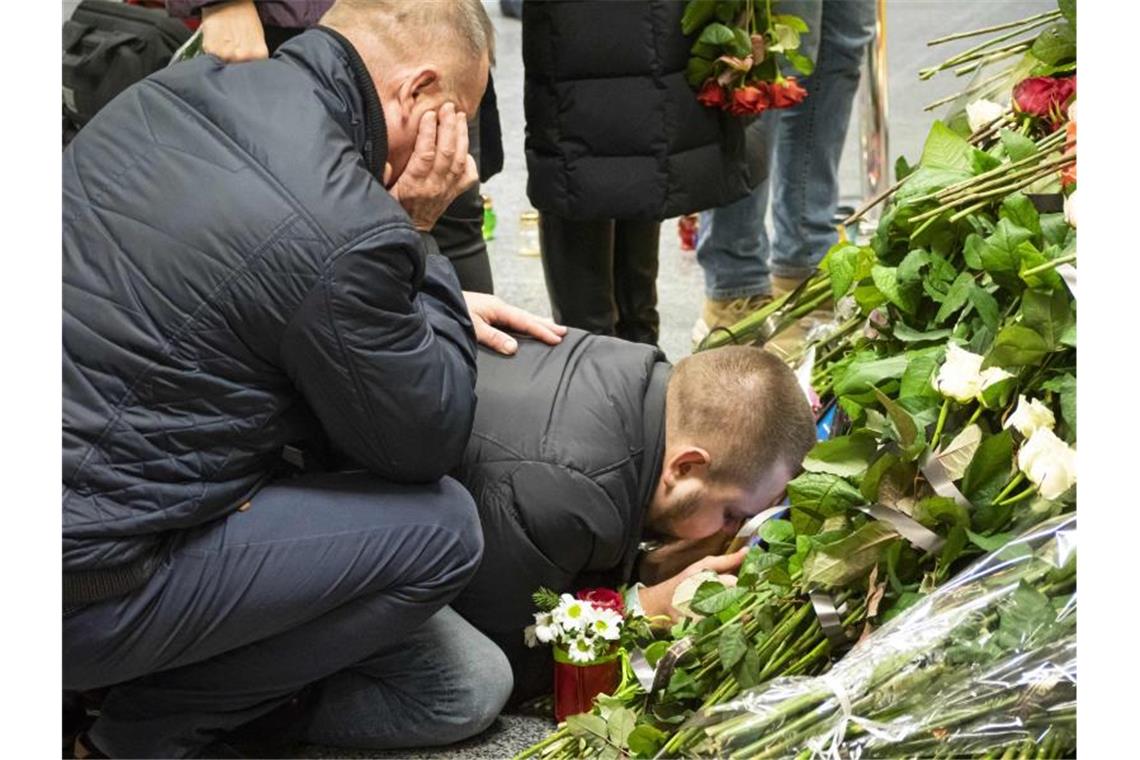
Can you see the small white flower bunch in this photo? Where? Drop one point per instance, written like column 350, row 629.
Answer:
column 587, row 631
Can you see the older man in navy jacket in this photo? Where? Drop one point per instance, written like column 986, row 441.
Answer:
column 246, row 266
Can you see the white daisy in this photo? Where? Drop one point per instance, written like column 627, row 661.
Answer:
column 581, row 650
column 607, row 625
column 573, row 614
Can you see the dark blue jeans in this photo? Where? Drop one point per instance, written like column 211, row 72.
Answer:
column 324, row 575
column 804, row 147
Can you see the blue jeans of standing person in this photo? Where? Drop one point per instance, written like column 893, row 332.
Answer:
column 804, row 143
column 339, row 580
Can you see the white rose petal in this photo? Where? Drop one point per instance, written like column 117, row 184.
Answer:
column 993, row 375
column 607, row 624
column 1071, row 209
column 1029, row 416
column 573, row 614
column 581, row 650
column 1048, row 462
column 960, row 376
column 983, row 112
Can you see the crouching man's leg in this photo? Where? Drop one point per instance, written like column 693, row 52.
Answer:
column 445, row 683
column 318, row 576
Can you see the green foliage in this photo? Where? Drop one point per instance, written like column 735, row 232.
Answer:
column 990, row 468
column 545, row 599
column 846, row 455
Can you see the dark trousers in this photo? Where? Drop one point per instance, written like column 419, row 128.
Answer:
column 322, row 574
column 601, row 275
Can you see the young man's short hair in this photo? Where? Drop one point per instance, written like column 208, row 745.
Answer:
column 745, row 406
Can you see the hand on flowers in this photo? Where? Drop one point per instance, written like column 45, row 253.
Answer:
column 671, row 558
column 488, row 311
column 658, row 599
column 232, row 31
column 439, row 170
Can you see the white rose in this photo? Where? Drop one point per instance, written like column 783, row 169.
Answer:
column 1071, row 209
column 573, row 614
column 1048, row 462
column 991, row 376
column 982, row 112
column 1029, row 416
column 960, row 376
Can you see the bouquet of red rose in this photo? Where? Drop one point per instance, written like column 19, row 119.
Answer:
column 737, row 58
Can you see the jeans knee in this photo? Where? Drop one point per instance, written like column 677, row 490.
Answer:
column 482, row 692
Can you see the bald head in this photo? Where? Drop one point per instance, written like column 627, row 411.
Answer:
column 420, row 54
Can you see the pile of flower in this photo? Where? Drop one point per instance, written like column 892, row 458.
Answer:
column 951, row 366
column 587, row 627
column 736, row 58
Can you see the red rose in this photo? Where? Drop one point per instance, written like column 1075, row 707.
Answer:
column 604, row 598
column 1043, row 96
column 711, row 94
column 787, row 93
column 750, row 100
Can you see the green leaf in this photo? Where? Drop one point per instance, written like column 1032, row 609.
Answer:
column 656, row 651
column 935, row 511
column 620, row 725
column 1068, row 9
column 910, row 268
column 908, row 437
column 847, row 264
column 823, row 493
column 712, row 597
column 1020, row 211
column 748, row 671
column 787, row 38
column 851, row 557
column 732, row 645
column 869, row 487
column 909, row 335
column 864, row 374
column 1048, row 314
column 918, row 375
column 1032, row 258
column 1055, row 45
column 587, row 726
column 757, row 565
column 1066, row 387
column 800, row 62
column 926, row 180
column 741, row 42
column 999, row 251
column 990, row 468
column 1017, row 146
column 1017, row 346
column 727, row 11
column 794, row 22
column 901, row 295
column 646, row 740
column 956, row 298
column 697, row 14
column 972, row 250
column 697, row 71
column 996, row 395
column 905, row 601
column 778, row 532
column 951, row 550
column 980, row 161
column 846, row 456
column 717, row 34
column 945, row 149
column 1055, row 230
column 682, row 685
column 986, row 306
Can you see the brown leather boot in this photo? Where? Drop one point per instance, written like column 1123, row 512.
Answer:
column 725, row 313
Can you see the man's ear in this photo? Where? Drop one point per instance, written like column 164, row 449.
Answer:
column 423, row 81
column 685, row 461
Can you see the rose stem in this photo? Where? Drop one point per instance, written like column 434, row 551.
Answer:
column 996, row 28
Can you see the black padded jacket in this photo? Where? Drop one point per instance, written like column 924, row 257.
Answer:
column 613, row 130
column 236, row 278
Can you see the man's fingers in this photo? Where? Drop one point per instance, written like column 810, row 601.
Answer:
column 522, row 321
column 494, row 339
column 724, row 563
column 446, row 140
column 460, row 163
column 469, row 177
column 424, row 154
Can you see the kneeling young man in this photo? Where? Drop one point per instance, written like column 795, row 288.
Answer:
column 581, row 451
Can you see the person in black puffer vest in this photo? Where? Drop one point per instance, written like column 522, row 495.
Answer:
column 580, row 451
column 616, row 142
column 247, row 266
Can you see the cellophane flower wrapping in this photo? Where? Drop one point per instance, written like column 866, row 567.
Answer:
column 985, row 663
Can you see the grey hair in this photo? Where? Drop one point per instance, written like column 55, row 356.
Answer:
column 395, row 21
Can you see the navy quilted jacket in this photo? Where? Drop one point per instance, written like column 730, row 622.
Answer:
column 235, row 279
